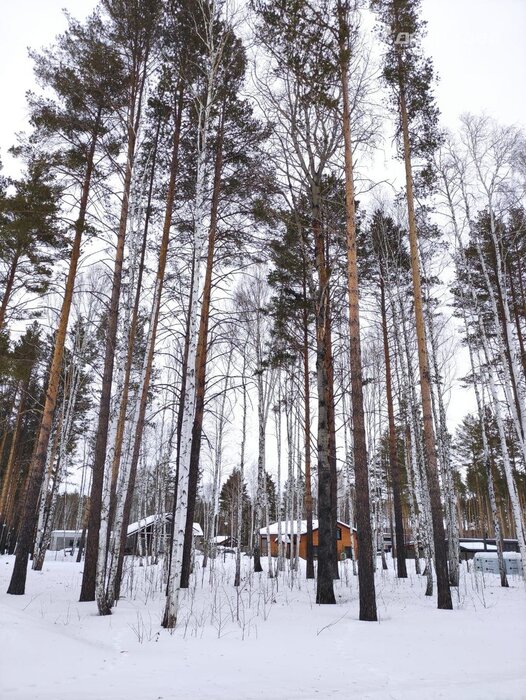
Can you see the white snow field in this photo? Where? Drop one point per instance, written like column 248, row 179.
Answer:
column 283, row 647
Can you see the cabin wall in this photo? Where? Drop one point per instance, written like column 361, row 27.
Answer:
column 343, row 545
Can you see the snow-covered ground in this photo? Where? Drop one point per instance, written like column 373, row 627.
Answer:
column 271, row 642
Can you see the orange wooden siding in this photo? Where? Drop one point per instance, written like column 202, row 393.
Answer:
column 346, row 540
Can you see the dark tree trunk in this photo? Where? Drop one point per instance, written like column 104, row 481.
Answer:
column 8, row 287
column 331, row 423
column 516, row 316
column 87, row 591
column 8, row 478
column 324, row 589
column 326, row 529
column 437, row 515
column 202, row 349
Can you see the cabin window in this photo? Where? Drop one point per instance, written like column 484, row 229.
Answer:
column 338, row 533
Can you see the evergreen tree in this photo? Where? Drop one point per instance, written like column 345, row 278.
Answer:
column 302, row 51
column 76, row 120
column 409, row 74
column 231, row 491
column 30, row 236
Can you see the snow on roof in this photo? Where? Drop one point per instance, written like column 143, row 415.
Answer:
column 476, row 546
column 198, row 530
column 286, row 529
column 66, row 533
column 218, row 539
column 144, row 522
column 494, row 555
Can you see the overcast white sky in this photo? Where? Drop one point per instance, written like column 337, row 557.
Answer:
column 478, row 48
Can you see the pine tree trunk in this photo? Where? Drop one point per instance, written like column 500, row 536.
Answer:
column 437, row 516
column 38, row 462
column 63, row 435
column 363, row 507
column 331, row 422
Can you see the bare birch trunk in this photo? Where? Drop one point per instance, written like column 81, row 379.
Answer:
column 508, row 471
column 237, row 578
column 480, row 408
column 200, row 231
column 59, row 470
column 281, row 560
column 401, row 568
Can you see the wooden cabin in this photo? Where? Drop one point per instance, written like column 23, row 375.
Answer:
column 141, row 534
column 346, row 539
column 470, row 546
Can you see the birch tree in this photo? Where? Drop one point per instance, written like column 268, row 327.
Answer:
column 214, row 43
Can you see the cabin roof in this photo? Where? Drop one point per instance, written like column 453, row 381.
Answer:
column 477, row 546
column 133, row 528
column 286, row 529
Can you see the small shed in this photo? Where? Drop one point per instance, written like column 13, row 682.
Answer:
column 346, row 538
column 224, row 541
column 64, row 539
column 469, row 549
